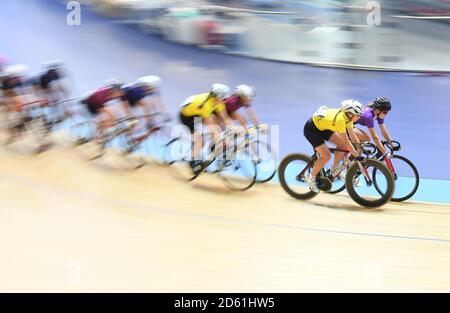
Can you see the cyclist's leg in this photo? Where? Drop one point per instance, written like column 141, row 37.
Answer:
column 362, row 135
column 106, row 119
column 340, row 144
column 317, row 139
column 189, row 122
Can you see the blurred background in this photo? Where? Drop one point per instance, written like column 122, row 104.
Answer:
column 407, row 35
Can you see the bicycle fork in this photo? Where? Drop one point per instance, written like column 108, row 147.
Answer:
column 365, row 174
column 390, row 167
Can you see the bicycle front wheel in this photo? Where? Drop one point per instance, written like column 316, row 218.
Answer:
column 238, row 173
column 406, row 179
column 361, row 185
column 266, row 160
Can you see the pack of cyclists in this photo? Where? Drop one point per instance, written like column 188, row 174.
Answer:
column 217, row 108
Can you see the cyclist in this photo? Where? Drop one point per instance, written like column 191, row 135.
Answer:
column 97, row 102
column 242, row 97
column 50, row 84
column 332, row 125
column 198, row 109
column 144, row 93
column 378, row 110
column 15, row 97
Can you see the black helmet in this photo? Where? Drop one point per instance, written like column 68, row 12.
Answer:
column 382, row 104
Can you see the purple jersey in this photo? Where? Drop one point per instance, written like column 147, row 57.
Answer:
column 367, row 118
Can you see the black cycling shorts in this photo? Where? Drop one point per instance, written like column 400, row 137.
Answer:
column 315, row 136
column 189, row 121
column 92, row 108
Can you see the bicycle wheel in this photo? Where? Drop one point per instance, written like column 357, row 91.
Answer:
column 84, row 135
column 362, row 189
column 338, row 185
column 35, row 134
column 406, row 179
column 238, row 170
column 177, row 155
column 266, row 160
column 154, row 145
column 291, row 173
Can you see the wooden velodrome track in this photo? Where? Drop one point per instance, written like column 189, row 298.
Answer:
column 68, row 225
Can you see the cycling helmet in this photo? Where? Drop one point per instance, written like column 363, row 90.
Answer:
column 54, row 65
column 382, row 104
column 352, row 106
column 114, row 83
column 150, row 81
column 15, row 70
column 221, row 91
column 245, row 92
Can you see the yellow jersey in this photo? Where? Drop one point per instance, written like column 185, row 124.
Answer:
column 332, row 119
column 201, row 105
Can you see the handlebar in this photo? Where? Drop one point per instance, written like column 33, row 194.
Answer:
column 395, row 145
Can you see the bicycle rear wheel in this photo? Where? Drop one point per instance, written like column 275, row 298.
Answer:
column 363, row 191
column 338, row 184
column 406, row 179
column 292, row 171
column 238, row 173
column 84, row 135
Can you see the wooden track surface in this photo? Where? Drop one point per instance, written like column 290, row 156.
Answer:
column 68, row 225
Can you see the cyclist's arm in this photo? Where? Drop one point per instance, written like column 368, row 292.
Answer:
column 352, row 135
column 252, row 115
column 349, row 144
column 147, row 105
column 158, row 105
column 127, row 107
column 240, row 118
column 62, row 89
column 386, row 134
column 224, row 116
column 377, row 140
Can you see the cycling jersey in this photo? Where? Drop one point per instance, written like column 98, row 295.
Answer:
column 234, row 103
column 367, row 118
column 134, row 93
column 201, row 105
column 332, row 119
column 97, row 100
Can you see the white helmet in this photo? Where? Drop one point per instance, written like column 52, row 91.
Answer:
column 150, row 81
column 352, row 106
column 54, row 65
column 116, row 83
column 16, row 70
column 245, row 91
column 221, row 91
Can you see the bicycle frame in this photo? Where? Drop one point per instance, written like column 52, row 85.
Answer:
column 346, row 159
